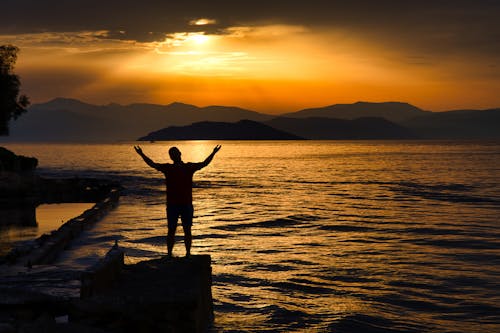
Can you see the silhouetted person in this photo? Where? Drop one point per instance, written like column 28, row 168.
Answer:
column 179, row 181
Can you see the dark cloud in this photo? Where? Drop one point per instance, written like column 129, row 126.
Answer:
column 427, row 26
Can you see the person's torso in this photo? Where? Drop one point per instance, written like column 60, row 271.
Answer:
column 179, row 182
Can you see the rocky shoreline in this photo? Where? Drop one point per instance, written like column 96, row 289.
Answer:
column 46, row 248
column 22, row 193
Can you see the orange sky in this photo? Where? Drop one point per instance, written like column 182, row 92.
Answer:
column 271, row 68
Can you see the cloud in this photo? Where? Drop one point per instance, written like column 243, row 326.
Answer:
column 95, row 47
column 424, row 26
column 56, row 39
column 202, row 21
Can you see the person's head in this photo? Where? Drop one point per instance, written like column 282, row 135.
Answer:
column 175, row 154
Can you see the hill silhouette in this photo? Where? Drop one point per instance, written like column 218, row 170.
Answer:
column 64, row 119
column 392, row 111
column 241, row 130
column 459, row 124
column 341, row 129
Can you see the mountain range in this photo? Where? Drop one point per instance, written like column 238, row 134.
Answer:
column 65, row 119
column 392, row 111
column 71, row 120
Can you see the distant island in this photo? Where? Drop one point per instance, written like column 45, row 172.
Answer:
column 64, row 120
column 206, row 130
column 286, row 129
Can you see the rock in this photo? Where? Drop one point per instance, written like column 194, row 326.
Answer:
column 7, row 328
column 45, row 323
column 17, row 190
column 167, row 295
column 77, row 328
column 15, row 163
column 100, row 276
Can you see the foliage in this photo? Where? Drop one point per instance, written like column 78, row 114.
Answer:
column 12, row 104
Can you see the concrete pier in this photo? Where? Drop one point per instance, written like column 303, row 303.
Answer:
column 161, row 295
column 103, row 274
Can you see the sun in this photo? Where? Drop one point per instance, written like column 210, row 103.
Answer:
column 198, row 38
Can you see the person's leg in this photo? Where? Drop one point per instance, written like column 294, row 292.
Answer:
column 172, row 217
column 170, row 241
column 187, row 222
column 188, row 238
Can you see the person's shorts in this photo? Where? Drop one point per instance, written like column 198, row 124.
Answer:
column 184, row 211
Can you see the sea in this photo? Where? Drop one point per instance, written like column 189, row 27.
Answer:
column 315, row 236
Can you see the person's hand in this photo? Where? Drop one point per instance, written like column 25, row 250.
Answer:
column 216, row 149
column 138, row 150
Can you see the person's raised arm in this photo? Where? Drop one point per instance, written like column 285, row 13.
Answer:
column 145, row 158
column 210, row 157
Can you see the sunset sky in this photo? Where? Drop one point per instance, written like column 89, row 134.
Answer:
column 269, row 56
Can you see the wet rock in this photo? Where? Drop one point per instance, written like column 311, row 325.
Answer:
column 24, row 215
column 73, row 189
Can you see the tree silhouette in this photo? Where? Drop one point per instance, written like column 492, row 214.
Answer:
column 12, row 105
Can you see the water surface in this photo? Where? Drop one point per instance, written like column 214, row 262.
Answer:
column 320, row 236
column 24, row 224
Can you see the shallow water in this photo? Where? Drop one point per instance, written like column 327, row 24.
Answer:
column 28, row 223
column 326, row 236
